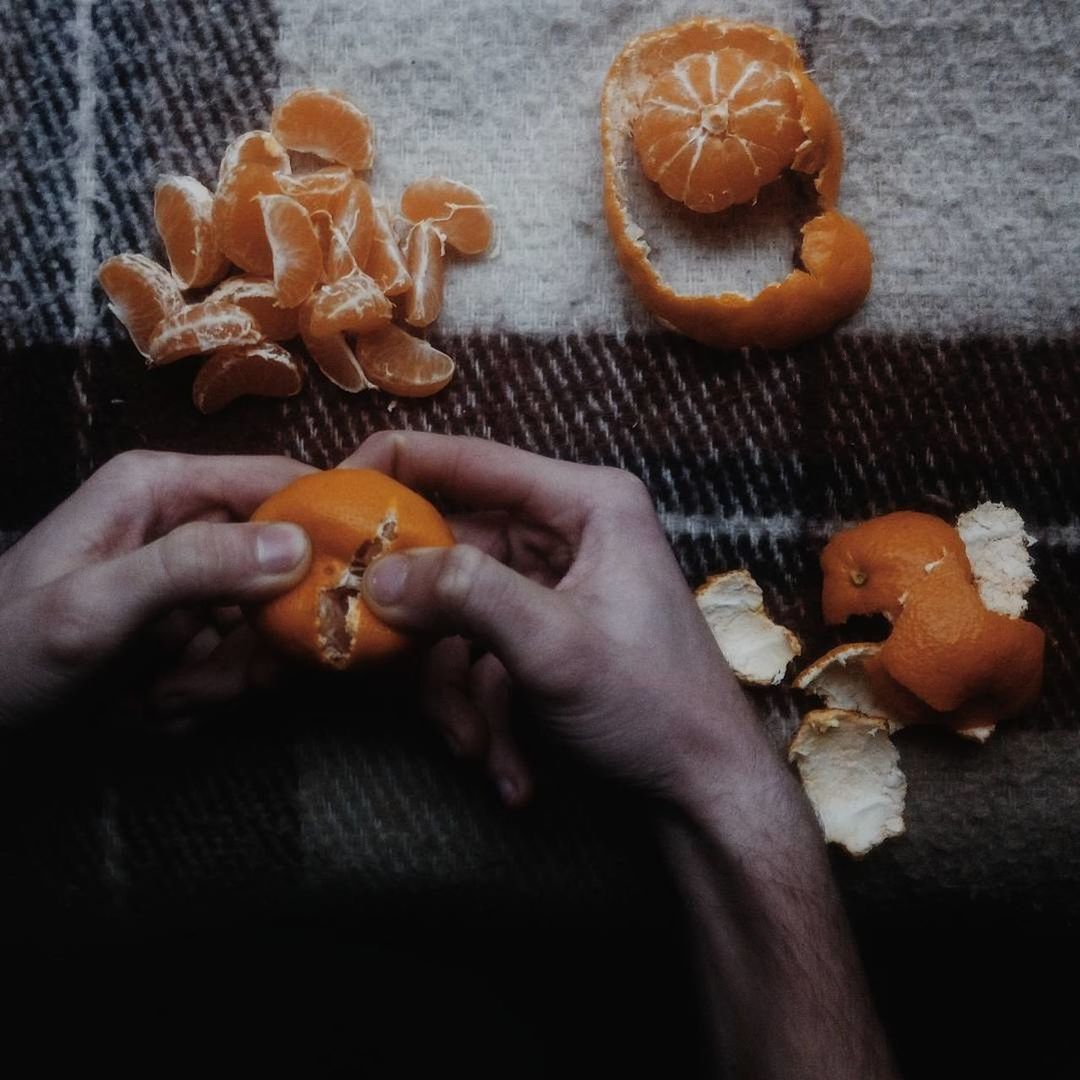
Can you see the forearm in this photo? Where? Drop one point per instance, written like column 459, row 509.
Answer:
column 785, row 990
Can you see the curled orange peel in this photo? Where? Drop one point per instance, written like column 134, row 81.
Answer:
column 835, row 272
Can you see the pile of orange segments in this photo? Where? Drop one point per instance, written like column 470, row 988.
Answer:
column 319, row 259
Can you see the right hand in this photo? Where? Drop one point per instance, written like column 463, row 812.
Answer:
column 564, row 582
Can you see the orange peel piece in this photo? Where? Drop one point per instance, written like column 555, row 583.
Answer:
column 836, row 265
column 850, row 771
column 757, row 649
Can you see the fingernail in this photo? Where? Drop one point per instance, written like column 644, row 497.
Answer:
column 385, row 580
column 280, row 547
column 508, row 790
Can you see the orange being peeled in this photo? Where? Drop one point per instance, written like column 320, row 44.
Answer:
column 352, row 516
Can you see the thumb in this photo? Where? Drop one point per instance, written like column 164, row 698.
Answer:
column 461, row 590
column 77, row 622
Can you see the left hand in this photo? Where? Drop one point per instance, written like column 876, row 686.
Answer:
column 133, row 584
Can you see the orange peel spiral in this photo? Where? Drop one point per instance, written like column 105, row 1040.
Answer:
column 683, row 83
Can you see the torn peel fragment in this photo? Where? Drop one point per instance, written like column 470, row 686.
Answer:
column 757, row 649
column 340, row 606
column 851, row 773
column 997, row 548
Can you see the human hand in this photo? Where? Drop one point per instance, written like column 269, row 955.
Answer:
column 564, row 576
column 133, row 581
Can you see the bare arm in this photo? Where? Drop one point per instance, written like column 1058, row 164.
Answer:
column 568, row 588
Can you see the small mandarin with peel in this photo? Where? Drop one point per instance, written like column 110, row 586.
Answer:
column 352, row 516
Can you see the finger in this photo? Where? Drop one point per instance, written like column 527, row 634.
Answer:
column 214, row 679
column 446, row 700
column 482, row 474
column 460, row 590
column 490, row 689
column 485, row 529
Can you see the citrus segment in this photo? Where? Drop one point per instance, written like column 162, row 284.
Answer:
column 238, row 219
column 324, row 123
column 870, row 568
column 265, row 370
column 334, row 355
column 298, row 258
column 385, row 263
column 354, row 215
column 457, row 211
column 259, row 297
column 183, row 213
column 141, row 293
column 325, row 189
column 254, row 148
column 353, row 303
column 401, row 364
column 424, row 262
column 352, row 516
column 337, row 259
column 202, row 328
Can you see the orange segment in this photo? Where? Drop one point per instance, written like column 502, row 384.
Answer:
column 386, row 264
column 334, row 356
column 255, row 148
column 337, row 259
column 325, row 189
column 871, row 567
column 354, row 215
column 954, row 654
column 458, row 212
column 259, row 297
column 352, row 516
column 264, row 370
column 298, row 258
column 183, row 213
column 717, row 127
column 396, row 361
column 324, row 123
column 202, row 328
column 238, row 219
column 141, row 293
column 424, row 261
column 353, row 303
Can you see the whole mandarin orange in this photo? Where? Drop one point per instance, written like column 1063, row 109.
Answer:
column 352, row 516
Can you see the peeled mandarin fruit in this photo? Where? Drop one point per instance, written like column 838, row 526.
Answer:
column 255, row 148
column 351, row 304
column 352, row 516
column 354, row 215
column 712, row 111
column 325, row 189
column 333, row 355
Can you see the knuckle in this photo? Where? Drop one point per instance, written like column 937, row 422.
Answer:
column 71, row 625
column 627, row 491
column 455, row 582
column 191, row 555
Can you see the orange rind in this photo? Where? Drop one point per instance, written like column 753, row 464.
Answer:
column 352, row 516
column 685, row 103
column 850, row 771
column 757, row 650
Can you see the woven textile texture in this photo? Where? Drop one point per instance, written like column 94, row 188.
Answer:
column 957, row 383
